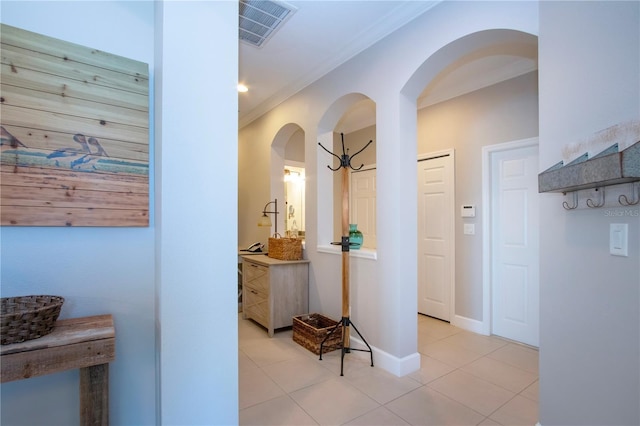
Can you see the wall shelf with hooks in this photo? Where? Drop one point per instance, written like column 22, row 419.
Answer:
column 610, row 167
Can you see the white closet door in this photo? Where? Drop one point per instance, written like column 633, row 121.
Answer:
column 436, row 236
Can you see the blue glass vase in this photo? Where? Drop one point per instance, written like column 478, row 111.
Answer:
column 355, row 236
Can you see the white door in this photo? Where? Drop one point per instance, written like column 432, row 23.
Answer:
column 514, row 225
column 363, row 204
column 436, row 235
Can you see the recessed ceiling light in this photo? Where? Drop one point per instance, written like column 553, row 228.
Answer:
column 242, row 88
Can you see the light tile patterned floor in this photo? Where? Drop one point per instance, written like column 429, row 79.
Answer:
column 465, row 379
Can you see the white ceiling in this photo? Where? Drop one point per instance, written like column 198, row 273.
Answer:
column 323, row 34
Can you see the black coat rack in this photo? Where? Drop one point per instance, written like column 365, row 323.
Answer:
column 345, row 165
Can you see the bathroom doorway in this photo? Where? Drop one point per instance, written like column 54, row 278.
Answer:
column 294, row 195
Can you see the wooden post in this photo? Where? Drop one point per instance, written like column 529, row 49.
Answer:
column 345, row 254
column 94, row 395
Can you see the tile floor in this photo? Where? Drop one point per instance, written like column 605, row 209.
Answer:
column 465, row 379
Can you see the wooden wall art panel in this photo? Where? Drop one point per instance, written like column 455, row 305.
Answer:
column 75, row 134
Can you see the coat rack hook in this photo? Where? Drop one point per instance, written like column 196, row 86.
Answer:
column 339, row 159
column 363, row 148
column 600, row 203
column 345, row 159
column 575, row 201
column 635, row 196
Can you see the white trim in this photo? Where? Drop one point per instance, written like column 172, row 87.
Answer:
column 364, row 253
column 486, row 222
column 397, row 366
column 452, row 251
column 469, row 324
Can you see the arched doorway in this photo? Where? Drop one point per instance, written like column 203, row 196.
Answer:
column 472, row 67
column 289, row 140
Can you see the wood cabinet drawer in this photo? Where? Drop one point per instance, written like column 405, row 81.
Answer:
column 256, row 277
column 255, row 305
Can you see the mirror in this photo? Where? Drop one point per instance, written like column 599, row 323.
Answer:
column 294, row 200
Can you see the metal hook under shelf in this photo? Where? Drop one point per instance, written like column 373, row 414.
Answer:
column 593, row 205
column 575, row 201
column 635, row 191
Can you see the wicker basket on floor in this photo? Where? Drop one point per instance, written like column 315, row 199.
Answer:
column 28, row 317
column 310, row 330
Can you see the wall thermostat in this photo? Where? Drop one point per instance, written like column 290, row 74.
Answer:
column 468, row 210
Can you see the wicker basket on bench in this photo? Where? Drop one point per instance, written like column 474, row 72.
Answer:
column 28, row 317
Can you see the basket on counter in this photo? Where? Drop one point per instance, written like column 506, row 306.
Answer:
column 285, row 248
column 28, row 317
column 311, row 329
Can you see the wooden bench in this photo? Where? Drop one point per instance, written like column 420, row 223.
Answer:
column 88, row 344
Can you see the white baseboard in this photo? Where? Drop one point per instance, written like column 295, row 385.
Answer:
column 470, row 324
column 394, row 365
column 407, row 365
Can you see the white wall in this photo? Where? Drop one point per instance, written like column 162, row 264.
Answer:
column 294, row 150
column 196, row 231
column 590, row 301
column 160, row 281
column 97, row 270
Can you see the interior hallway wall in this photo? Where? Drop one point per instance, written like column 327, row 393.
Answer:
column 196, row 248
column 97, row 270
column 589, row 62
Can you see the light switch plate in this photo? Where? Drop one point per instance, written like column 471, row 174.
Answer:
column 469, row 229
column 618, row 236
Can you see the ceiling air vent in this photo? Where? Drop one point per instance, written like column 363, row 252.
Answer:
column 259, row 20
